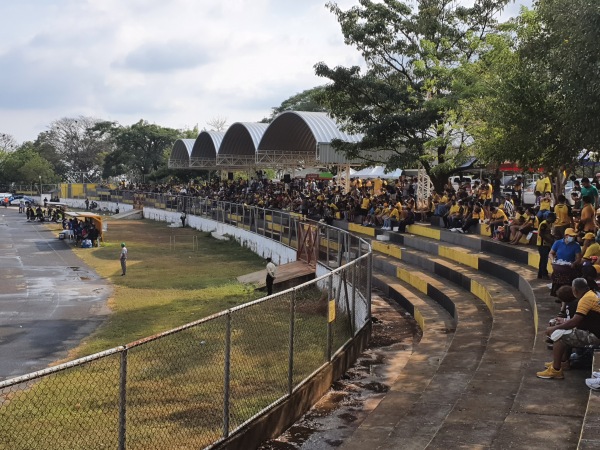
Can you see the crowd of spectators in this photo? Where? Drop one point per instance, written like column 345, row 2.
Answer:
column 393, row 203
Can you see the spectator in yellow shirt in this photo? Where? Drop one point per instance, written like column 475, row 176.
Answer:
column 564, row 218
column 454, row 213
column 543, row 184
column 497, row 219
column 545, row 205
column 530, row 223
column 588, row 216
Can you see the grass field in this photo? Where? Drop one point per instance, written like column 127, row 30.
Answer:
column 165, row 288
column 174, row 384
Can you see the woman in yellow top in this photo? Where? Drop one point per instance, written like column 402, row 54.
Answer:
column 545, row 206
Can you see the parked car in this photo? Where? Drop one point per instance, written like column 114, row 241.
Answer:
column 16, row 199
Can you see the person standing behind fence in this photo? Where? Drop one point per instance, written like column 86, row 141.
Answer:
column 271, row 268
column 123, row 259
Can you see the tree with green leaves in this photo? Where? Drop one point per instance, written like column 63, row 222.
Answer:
column 25, row 165
column 75, row 149
column 407, row 101
column 140, row 149
column 308, row 100
column 539, row 100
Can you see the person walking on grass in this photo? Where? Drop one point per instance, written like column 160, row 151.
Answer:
column 123, row 259
column 271, row 268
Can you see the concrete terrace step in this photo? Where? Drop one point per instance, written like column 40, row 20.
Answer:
column 423, row 394
column 590, row 432
column 487, row 400
column 535, row 405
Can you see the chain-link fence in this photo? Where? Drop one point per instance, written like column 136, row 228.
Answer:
column 193, row 386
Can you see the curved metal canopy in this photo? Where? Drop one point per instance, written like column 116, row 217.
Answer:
column 206, row 147
column 293, row 138
column 238, row 148
column 207, row 144
column 242, row 138
column 181, row 152
column 301, row 131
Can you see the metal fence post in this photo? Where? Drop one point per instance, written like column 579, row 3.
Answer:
column 369, row 270
column 291, row 345
column 226, row 391
column 123, row 401
column 340, row 247
column 354, row 296
column 329, row 327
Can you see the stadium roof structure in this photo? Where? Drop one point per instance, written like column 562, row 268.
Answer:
column 206, row 147
column 238, row 148
column 294, row 138
column 180, row 155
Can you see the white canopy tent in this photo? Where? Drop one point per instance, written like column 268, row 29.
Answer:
column 377, row 171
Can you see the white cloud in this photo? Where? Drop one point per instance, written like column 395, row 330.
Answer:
column 176, row 63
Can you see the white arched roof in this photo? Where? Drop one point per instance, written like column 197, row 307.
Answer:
column 302, row 131
column 242, row 138
column 182, row 150
column 207, row 144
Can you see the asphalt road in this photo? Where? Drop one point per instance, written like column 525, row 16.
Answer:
column 49, row 299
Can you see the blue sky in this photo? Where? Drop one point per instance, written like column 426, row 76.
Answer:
column 176, row 63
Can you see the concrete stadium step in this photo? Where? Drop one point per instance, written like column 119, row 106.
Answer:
column 423, row 396
column 590, row 432
column 509, row 347
column 535, row 407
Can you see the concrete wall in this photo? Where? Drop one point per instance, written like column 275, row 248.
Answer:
column 79, row 203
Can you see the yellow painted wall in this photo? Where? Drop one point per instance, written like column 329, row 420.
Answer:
column 459, row 256
column 412, row 279
column 369, row 231
column 482, row 293
column 424, row 231
column 388, row 249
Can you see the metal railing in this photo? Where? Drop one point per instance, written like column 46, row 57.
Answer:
column 193, row 386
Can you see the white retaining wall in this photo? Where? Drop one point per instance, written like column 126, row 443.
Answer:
column 79, row 203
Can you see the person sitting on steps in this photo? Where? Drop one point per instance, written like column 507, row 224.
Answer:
column 582, row 330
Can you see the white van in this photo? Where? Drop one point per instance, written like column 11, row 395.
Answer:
column 454, row 180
